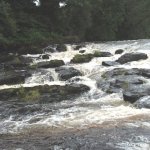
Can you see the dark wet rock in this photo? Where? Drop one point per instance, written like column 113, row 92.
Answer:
column 109, row 136
column 129, row 81
column 109, row 63
column 77, row 47
column 133, row 94
column 143, row 102
column 119, row 51
column 101, row 54
column 13, row 77
column 65, row 73
column 61, row 48
column 82, row 51
column 129, row 57
column 45, row 56
column 44, row 94
column 82, row 58
column 51, row 64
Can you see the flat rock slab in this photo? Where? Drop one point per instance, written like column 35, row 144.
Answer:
column 129, row 57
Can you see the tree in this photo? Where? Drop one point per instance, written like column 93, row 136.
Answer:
column 7, row 22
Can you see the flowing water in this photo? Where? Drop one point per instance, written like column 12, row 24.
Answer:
column 92, row 109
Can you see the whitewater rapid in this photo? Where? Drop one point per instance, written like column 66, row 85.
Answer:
column 92, row 108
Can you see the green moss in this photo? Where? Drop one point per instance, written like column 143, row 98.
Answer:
column 32, row 95
column 82, row 58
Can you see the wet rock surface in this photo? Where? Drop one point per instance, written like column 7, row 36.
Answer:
column 53, row 93
column 67, row 73
column 100, row 138
column 50, row 64
column 130, row 81
column 129, row 57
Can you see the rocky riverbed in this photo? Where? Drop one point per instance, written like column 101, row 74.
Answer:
column 81, row 96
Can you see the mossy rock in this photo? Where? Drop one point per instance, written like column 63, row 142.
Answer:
column 44, row 94
column 82, row 58
column 101, row 54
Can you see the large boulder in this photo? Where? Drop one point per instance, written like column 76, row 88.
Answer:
column 50, row 64
column 82, row 58
column 44, row 94
column 131, row 82
column 13, row 77
column 65, row 73
column 129, row 57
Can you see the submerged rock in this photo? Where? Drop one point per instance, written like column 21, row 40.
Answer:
column 50, row 64
column 129, row 57
column 65, row 73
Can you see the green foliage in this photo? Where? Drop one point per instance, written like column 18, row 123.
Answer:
column 22, row 24
column 7, row 21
